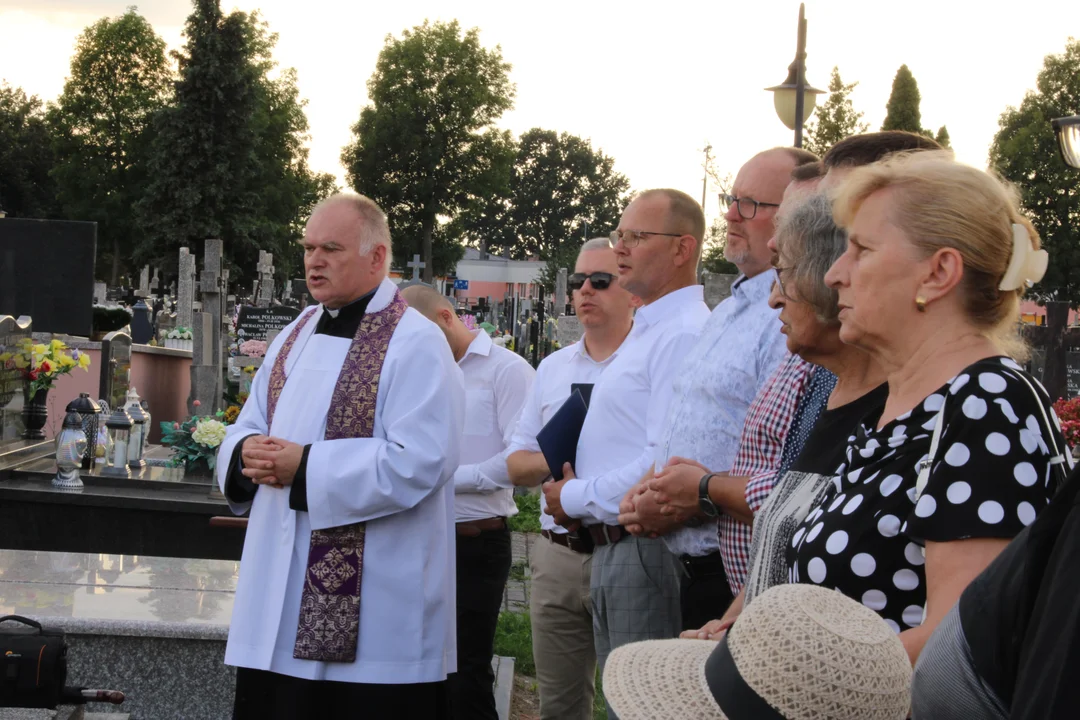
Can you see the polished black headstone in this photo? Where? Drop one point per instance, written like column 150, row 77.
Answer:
column 254, row 323
column 142, row 326
column 47, row 273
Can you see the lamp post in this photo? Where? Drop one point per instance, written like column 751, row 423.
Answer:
column 794, row 99
column 1067, row 130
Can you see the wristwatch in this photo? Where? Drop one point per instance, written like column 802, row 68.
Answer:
column 704, row 501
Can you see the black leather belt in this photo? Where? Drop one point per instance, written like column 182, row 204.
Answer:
column 571, row 540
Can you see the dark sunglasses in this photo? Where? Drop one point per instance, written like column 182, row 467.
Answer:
column 599, row 280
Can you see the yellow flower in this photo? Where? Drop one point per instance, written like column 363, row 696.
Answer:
column 21, row 362
column 84, row 361
column 57, row 345
column 38, row 353
column 65, row 361
column 4, row 357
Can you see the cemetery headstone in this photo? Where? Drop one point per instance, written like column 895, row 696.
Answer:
column 206, row 364
column 144, row 283
column 1072, row 374
column 155, row 282
column 255, row 323
column 560, row 292
column 416, row 266
column 300, row 291
column 100, row 293
column 47, row 273
column 115, row 368
column 569, row 330
column 717, row 287
column 11, row 332
column 266, row 279
column 185, row 292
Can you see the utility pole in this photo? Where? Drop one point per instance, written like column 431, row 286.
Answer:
column 705, row 178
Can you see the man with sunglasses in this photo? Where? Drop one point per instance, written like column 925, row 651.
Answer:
column 560, row 607
column 739, row 349
column 635, row 581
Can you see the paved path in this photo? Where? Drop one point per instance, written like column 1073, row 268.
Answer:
column 516, row 595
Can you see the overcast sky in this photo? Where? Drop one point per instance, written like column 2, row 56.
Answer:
column 649, row 83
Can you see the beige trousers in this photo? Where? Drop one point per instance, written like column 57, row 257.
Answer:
column 562, row 629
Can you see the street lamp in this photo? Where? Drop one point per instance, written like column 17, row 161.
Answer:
column 1067, row 130
column 794, row 99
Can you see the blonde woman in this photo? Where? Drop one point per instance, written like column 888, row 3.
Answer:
column 937, row 260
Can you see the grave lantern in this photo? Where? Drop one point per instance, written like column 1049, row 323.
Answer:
column 139, row 429
column 70, row 448
column 118, row 427
column 1067, row 130
column 90, row 414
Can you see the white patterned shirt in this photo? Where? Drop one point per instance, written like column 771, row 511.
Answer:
column 739, row 349
column 625, row 423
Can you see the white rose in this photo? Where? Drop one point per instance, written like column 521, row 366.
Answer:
column 209, row 433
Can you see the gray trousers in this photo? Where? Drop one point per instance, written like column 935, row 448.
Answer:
column 635, row 595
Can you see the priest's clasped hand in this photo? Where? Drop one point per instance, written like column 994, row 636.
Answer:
column 271, row 461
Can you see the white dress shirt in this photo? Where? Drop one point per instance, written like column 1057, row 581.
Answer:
column 497, row 385
column 629, row 405
column 556, row 374
column 397, row 482
column 737, row 352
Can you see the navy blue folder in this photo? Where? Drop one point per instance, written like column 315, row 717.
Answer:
column 585, row 389
column 559, row 438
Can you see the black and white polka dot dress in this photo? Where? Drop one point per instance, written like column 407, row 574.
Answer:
column 992, row 475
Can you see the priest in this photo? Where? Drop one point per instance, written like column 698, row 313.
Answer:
column 344, row 454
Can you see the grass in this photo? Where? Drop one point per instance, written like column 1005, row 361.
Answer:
column 513, row 638
column 528, row 517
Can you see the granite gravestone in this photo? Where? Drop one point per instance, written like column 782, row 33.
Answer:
column 255, row 323
column 47, row 273
column 11, row 383
column 142, row 326
column 185, row 291
column 560, row 293
column 717, row 287
column 115, row 368
column 100, row 293
column 266, row 279
column 1072, row 374
column 300, row 292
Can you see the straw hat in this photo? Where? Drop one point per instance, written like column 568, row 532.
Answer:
column 799, row 652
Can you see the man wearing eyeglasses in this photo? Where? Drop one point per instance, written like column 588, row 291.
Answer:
column 635, row 581
column 739, row 349
column 560, row 607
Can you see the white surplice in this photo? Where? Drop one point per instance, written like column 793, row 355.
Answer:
column 398, row 482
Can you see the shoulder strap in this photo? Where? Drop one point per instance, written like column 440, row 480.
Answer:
column 1058, row 459
column 935, row 440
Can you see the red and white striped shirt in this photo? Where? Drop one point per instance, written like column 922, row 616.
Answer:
column 764, row 431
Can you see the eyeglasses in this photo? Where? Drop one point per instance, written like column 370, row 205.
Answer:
column 747, row 206
column 780, row 280
column 599, row 280
column 633, row 238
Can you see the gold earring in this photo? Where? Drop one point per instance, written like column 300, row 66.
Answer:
column 920, row 303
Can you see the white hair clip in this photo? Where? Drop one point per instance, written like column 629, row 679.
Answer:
column 1027, row 265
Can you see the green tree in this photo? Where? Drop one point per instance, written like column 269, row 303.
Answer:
column 942, row 137
column 229, row 157
column 1025, row 152
column 26, row 156
column 835, row 119
column 902, row 110
column 119, row 78
column 712, row 259
column 425, row 148
column 561, row 192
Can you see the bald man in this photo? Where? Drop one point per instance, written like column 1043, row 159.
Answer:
column 497, row 384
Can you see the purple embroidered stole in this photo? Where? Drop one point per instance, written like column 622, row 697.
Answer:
column 329, row 624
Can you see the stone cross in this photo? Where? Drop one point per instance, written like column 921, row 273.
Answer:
column 206, row 365
column 144, row 283
column 185, row 288
column 560, row 293
column 155, row 282
column 266, row 279
column 416, row 266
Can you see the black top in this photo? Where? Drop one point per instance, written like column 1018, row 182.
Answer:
column 824, row 450
column 1021, row 616
column 341, row 323
column 989, row 479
